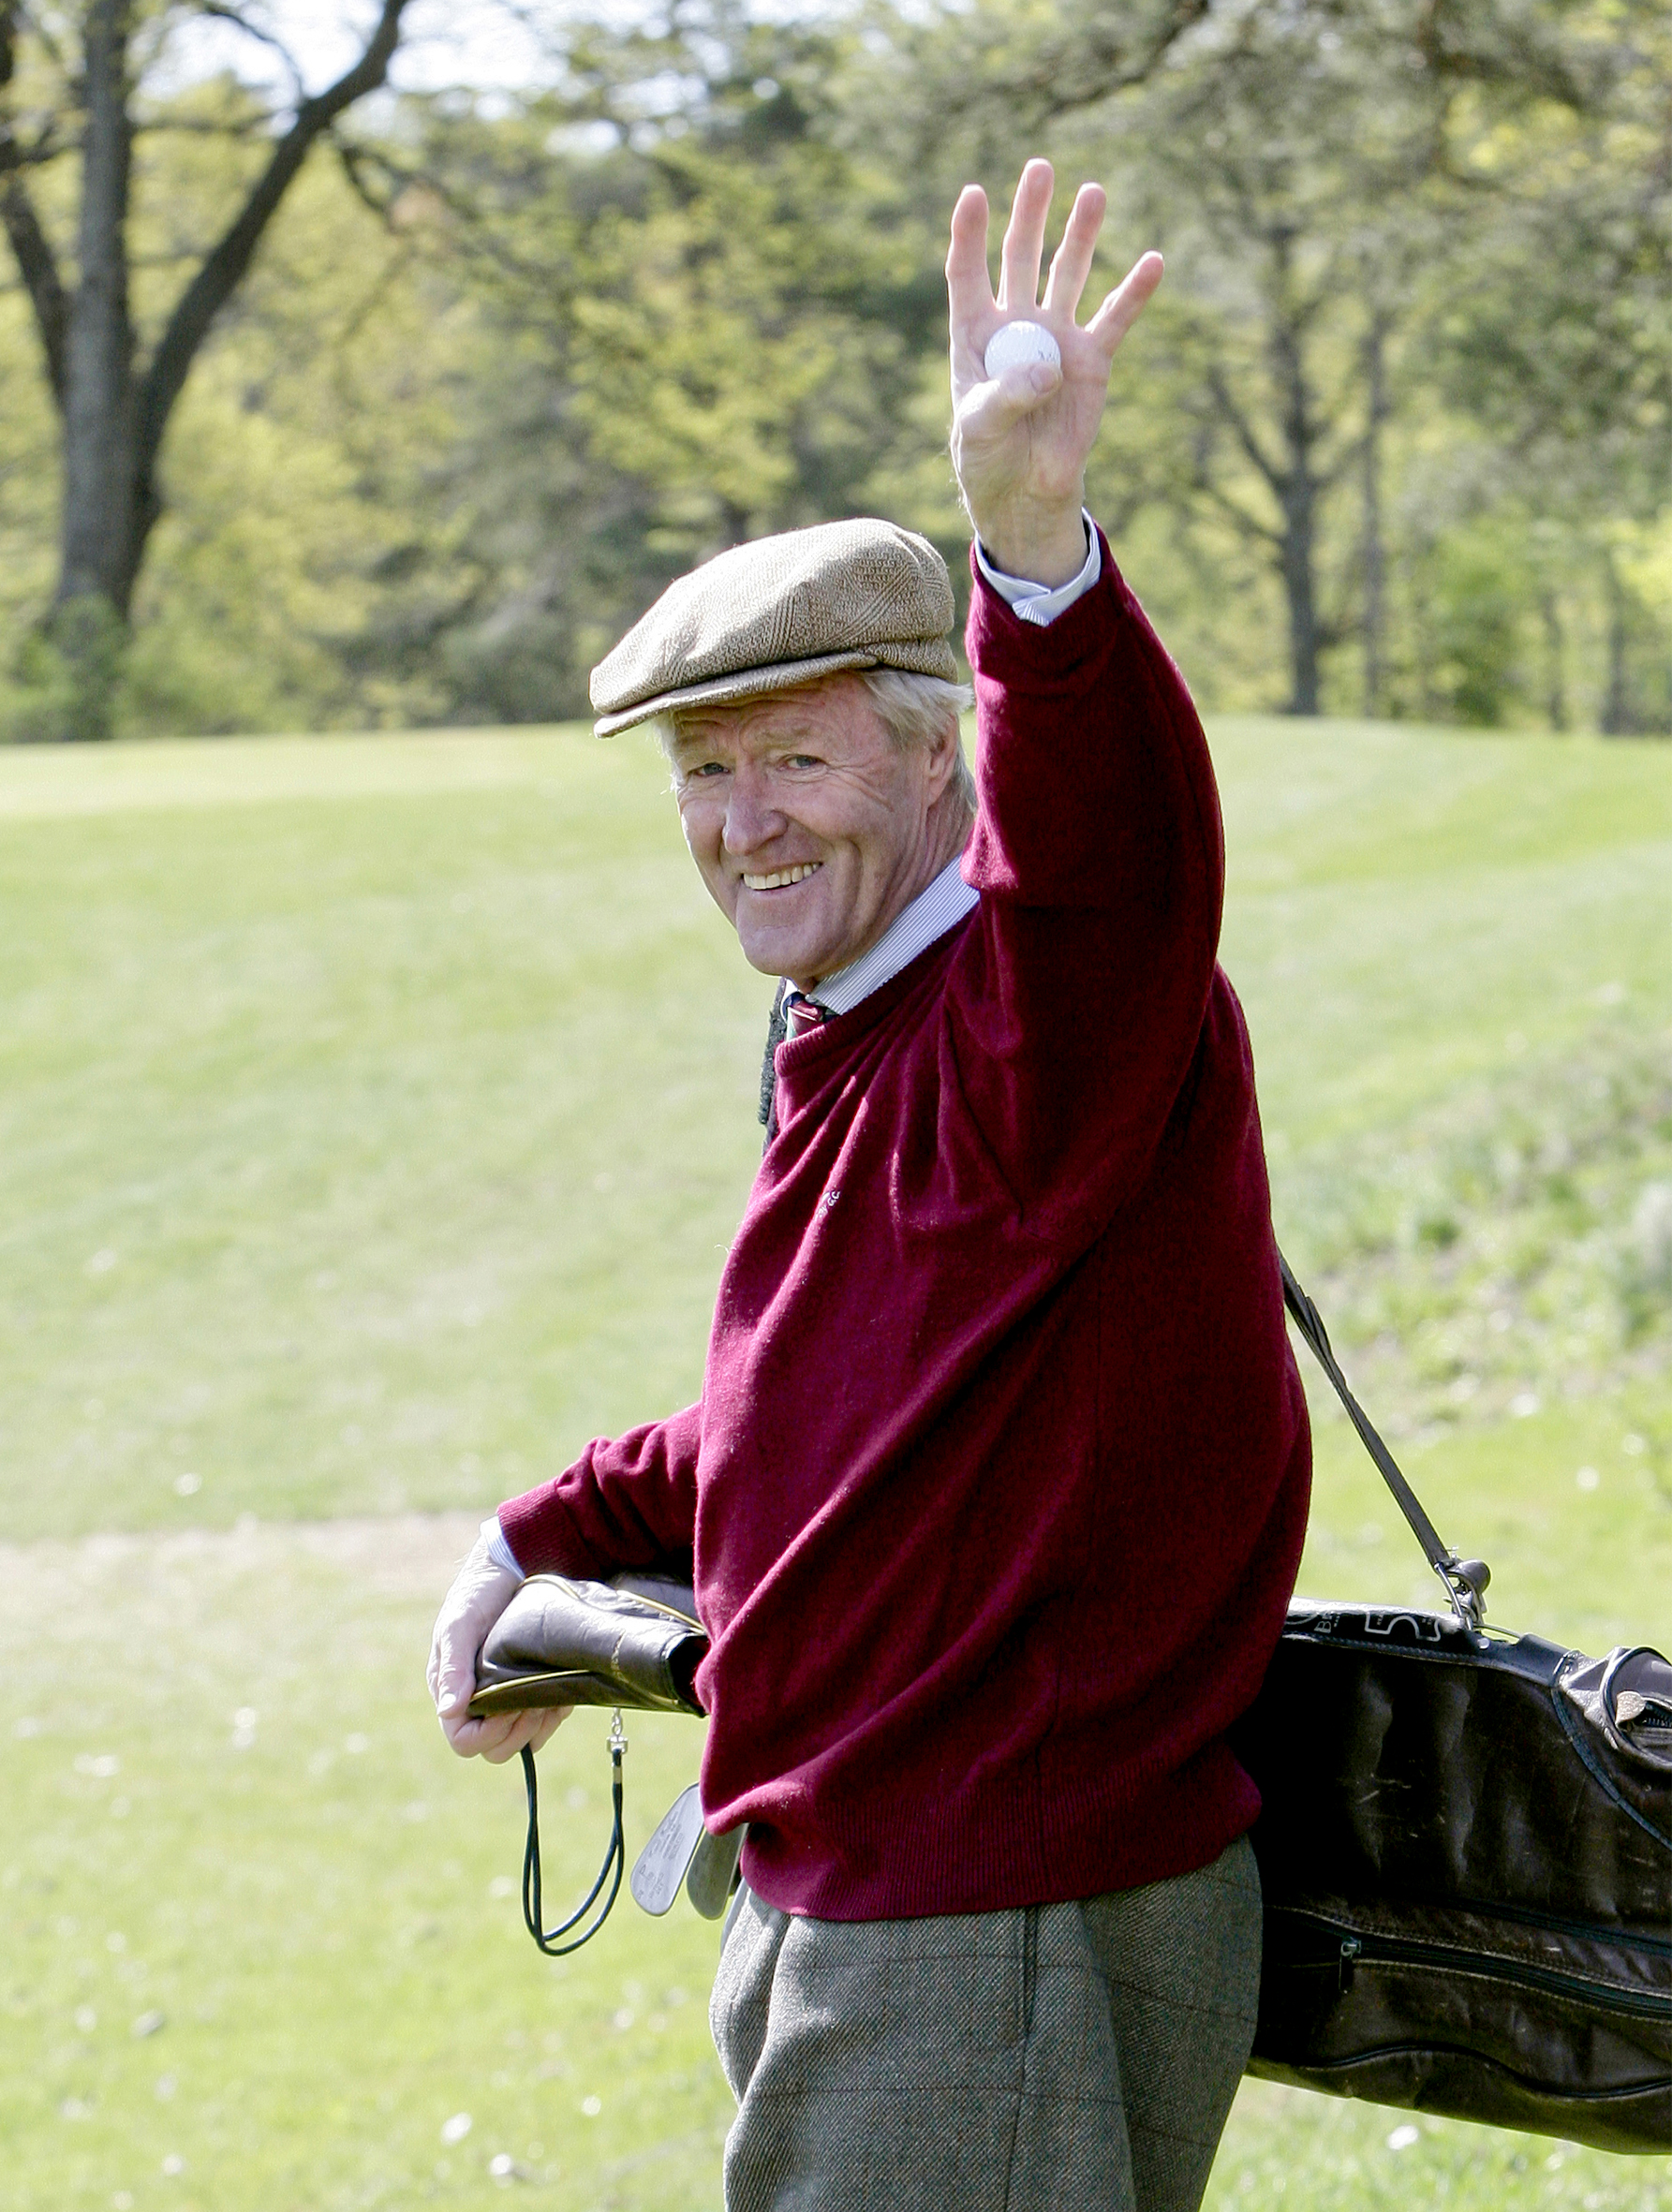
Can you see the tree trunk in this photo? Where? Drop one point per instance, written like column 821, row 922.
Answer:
column 1375, row 564
column 1299, row 498
column 114, row 419
column 1617, row 707
column 1298, row 527
column 1555, row 657
column 103, row 528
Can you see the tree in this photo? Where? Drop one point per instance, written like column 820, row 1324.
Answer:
column 709, row 317
column 1331, row 172
column 1557, row 336
column 113, row 405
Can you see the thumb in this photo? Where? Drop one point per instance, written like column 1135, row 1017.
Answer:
column 991, row 409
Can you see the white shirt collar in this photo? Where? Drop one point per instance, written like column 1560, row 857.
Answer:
column 935, row 909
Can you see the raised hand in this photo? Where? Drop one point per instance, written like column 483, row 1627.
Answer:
column 1020, row 441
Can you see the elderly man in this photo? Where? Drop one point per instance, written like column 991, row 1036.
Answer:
column 997, row 1487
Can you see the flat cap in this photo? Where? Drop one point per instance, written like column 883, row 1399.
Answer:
column 778, row 611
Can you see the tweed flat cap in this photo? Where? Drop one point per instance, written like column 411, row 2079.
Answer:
column 781, row 610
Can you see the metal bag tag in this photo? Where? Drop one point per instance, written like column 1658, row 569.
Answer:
column 661, row 1865
column 714, row 1864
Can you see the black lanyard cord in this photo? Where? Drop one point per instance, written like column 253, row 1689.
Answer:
column 614, row 1861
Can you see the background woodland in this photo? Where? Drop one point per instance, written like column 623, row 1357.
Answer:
column 1395, row 439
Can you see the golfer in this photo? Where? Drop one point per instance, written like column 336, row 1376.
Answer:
column 995, row 1494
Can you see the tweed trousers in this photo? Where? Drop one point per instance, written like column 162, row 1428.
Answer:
column 1077, row 2058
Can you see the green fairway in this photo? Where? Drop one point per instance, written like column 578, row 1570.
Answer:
column 374, row 1114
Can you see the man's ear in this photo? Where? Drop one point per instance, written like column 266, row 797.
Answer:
column 942, row 758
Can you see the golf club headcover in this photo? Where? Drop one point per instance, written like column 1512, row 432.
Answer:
column 634, row 1640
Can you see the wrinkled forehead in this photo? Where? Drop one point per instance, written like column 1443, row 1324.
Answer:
column 834, row 706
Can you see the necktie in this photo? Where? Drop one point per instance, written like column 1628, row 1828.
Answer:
column 794, row 1013
column 777, row 1026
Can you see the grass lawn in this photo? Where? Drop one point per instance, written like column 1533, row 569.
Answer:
column 373, row 1115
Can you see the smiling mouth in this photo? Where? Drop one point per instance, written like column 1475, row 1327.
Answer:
column 780, row 878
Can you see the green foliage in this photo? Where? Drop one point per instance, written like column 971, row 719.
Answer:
column 501, row 371
column 1477, row 599
column 66, row 678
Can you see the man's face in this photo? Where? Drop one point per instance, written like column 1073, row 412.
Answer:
column 812, row 829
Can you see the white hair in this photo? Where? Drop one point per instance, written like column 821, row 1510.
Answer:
column 913, row 709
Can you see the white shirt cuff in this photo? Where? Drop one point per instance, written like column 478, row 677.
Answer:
column 500, row 1551
column 1037, row 602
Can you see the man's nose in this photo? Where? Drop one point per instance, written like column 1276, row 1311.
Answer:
column 752, row 820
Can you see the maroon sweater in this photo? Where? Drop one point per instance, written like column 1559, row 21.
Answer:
column 997, row 1488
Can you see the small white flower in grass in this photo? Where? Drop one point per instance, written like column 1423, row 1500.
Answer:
column 173, row 2165
column 115, row 1941
column 356, row 1744
column 455, row 2129
column 166, row 2086
column 1632, row 1446
column 101, row 1765
column 122, row 2201
column 1588, row 1478
column 502, row 1886
column 1524, row 1404
column 73, row 2108
column 86, row 2019
column 188, row 1485
column 28, row 1726
column 102, row 1262
column 149, row 2022
column 592, row 2106
column 1402, row 2138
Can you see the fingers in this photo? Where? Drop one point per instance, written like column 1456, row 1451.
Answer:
column 534, row 1728
column 480, row 1592
column 1071, row 265
column 546, row 1725
column 453, row 1664
column 1025, row 238
column 994, row 408
column 1126, row 303
column 969, row 291
column 501, row 1735
column 474, row 1739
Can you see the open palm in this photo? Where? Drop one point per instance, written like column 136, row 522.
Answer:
column 1020, row 441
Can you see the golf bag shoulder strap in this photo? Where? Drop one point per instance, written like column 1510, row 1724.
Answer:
column 1465, row 1580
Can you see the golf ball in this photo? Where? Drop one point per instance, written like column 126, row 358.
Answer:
column 1014, row 344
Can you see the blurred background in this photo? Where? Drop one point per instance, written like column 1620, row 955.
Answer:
column 365, row 371
column 378, row 1085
